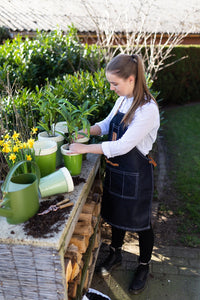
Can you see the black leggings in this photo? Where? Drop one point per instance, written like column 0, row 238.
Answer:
column 146, row 242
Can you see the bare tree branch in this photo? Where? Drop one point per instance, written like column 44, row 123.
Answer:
column 155, row 47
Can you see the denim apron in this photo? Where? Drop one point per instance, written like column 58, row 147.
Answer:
column 128, row 186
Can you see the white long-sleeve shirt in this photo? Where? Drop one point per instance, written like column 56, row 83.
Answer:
column 141, row 132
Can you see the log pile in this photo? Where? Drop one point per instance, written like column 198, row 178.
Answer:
column 82, row 251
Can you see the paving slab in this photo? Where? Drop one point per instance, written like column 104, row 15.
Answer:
column 174, row 275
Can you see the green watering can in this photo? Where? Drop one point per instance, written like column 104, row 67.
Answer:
column 20, row 194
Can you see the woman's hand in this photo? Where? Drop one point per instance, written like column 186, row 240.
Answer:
column 77, row 148
column 81, row 134
column 94, row 130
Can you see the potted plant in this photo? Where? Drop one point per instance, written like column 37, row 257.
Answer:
column 48, row 104
column 76, row 118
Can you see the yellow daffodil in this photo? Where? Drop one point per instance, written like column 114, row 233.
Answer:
column 20, row 145
column 12, row 157
column 6, row 149
column 34, row 130
column 7, row 144
column 1, row 142
column 6, row 137
column 15, row 135
column 15, row 148
column 24, row 145
column 28, row 157
column 30, row 143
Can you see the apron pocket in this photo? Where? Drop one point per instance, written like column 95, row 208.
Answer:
column 124, row 184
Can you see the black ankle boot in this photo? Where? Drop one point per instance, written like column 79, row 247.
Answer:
column 139, row 280
column 113, row 260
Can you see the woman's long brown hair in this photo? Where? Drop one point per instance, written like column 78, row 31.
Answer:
column 123, row 66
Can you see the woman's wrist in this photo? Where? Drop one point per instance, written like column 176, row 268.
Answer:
column 84, row 148
column 95, row 130
column 94, row 148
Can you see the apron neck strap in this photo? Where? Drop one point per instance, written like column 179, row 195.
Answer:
column 120, row 105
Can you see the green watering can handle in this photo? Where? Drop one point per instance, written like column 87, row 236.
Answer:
column 12, row 171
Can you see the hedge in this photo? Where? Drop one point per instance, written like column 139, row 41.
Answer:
column 180, row 82
column 32, row 62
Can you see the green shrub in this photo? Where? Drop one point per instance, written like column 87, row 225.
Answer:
column 83, row 86
column 49, row 55
column 179, row 83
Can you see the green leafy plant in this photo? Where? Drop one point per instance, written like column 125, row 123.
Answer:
column 48, row 105
column 85, row 86
column 76, row 117
column 17, row 111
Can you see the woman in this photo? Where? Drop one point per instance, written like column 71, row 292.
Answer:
column 132, row 127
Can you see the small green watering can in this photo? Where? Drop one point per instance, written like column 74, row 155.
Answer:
column 20, row 194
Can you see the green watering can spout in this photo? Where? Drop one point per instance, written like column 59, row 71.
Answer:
column 21, row 196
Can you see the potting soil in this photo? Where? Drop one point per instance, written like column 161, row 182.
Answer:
column 44, row 226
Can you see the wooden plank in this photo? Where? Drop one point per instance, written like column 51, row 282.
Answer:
column 95, row 255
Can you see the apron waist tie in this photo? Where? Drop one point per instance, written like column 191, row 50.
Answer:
column 152, row 161
column 111, row 163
